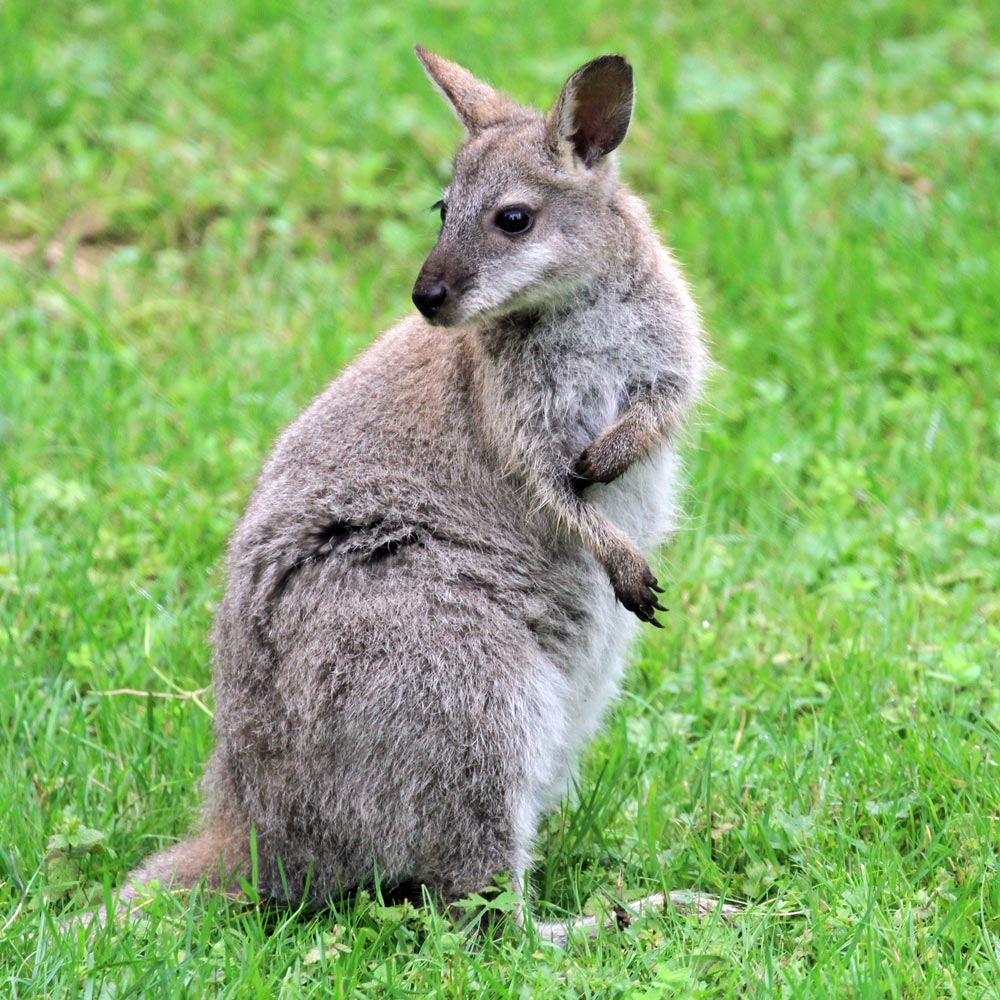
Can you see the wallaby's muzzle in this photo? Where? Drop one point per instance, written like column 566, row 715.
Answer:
column 429, row 295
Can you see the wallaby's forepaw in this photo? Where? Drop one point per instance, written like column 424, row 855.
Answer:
column 636, row 588
column 598, row 463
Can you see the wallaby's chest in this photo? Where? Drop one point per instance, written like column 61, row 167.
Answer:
column 581, row 375
column 578, row 414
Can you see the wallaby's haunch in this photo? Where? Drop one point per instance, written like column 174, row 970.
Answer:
column 431, row 592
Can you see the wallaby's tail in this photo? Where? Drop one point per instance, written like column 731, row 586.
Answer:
column 216, row 857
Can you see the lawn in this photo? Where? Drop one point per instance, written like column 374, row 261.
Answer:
column 207, row 209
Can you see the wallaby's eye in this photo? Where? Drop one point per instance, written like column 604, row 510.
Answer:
column 513, row 220
column 442, row 206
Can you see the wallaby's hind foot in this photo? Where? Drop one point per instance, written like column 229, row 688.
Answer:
column 701, row 905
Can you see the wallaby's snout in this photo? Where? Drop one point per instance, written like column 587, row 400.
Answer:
column 429, row 295
column 441, row 285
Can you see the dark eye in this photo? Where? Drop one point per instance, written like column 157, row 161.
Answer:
column 513, row 220
column 442, row 206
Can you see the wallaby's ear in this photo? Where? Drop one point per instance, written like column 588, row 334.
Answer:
column 594, row 109
column 476, row 103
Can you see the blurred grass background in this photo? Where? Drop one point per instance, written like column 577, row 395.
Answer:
column 207, row 209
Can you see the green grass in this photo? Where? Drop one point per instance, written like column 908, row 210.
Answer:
column 207, row 209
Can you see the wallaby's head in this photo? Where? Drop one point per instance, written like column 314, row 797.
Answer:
column 528, row 218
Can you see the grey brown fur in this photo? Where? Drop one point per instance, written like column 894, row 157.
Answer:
column 432, row 589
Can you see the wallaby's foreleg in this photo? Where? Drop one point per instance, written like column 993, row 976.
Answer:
column 650, row 417
column 633, row 581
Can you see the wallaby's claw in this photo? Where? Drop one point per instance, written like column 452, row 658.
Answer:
column 639, row 596
column 649, row 618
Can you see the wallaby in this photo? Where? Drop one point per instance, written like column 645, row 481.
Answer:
column 430, row 595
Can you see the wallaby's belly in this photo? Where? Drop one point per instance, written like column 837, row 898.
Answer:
column 643, row 502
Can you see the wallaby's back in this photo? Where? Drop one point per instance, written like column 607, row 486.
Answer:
column 430, row 593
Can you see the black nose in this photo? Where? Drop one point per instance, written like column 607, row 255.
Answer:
column 429, row 300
